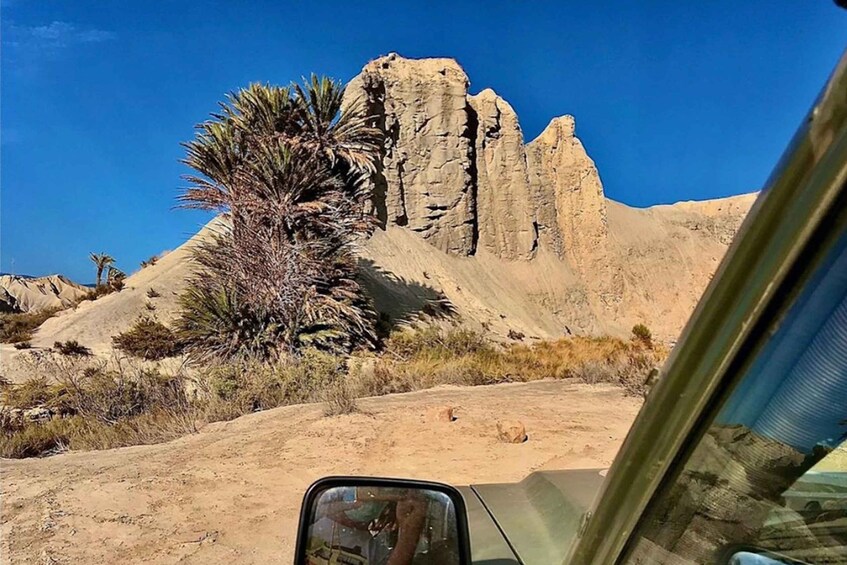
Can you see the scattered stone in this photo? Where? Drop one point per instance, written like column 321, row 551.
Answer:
column 444, row 414
column 39, row 414
column 517, row 336
column 511, row 431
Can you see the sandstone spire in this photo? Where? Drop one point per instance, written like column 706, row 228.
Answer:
column 426, row 177
column 504, row 205
column 562, row 174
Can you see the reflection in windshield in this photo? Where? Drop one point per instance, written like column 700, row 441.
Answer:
column 771, row 472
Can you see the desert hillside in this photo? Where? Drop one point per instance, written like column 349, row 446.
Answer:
column 24, row 294
column 514, row 236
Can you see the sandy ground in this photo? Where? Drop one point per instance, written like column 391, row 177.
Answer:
column 231, row 493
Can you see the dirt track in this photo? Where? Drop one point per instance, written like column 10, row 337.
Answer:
column 230, row 494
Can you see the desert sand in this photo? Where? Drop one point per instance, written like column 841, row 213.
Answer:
column 231, row 493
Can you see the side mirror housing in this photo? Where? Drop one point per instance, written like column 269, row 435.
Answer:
column 363, row 520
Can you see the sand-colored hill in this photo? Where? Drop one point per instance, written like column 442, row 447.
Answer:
column 27, row 294
column 663, row 257
column 93, row 323
column 231, row 493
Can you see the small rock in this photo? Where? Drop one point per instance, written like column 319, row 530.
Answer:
column 444, row 414
column 39, row 414
column 511, row 431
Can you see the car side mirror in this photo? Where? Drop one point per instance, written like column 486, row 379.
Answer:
column 359, row 521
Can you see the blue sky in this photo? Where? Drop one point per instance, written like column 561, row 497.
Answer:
column 673, row 100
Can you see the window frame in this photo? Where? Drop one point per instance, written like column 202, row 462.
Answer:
column 799, row 215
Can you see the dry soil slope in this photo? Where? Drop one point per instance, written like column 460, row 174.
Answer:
column 662, row 258
column 93, row 323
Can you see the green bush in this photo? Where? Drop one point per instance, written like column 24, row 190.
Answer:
column 71, row 347
column 148, row 339
column 642, row 333
column 19, row 327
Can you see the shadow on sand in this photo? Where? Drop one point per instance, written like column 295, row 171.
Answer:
column 400, row 301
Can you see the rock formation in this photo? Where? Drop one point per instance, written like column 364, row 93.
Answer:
column 568, row 195
column 506, row 215
column 25, row 294
column 455, row 169
column 426, row 178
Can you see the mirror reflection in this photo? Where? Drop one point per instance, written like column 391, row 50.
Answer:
column 355, row 525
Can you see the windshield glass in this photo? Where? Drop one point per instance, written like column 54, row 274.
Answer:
column 770, row 475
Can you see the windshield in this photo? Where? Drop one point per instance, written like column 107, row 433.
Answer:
column 771, row 472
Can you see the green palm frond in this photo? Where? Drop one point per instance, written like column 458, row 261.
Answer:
column 290, row 168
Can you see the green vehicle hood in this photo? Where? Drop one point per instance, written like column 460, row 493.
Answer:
column 532, row 522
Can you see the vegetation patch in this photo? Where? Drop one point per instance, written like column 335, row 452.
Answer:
column 642, row 333
column 419, row 359
column 71, row 347
column 148, row 339
column 19, row 327
column 81, row 402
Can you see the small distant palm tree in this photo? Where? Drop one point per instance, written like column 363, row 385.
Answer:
column 101, row 261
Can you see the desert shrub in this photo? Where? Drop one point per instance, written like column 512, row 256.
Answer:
column 642, row 333
column 71, row 347
column 150, row 427
column 148, row 339
column 240, row 387
column 112, row 396
column 35, row 440
column 32, row 392
column 149, row 262
column 23, row 345
column 96, row 292
column 339, row 399
column 628, row 368
column 19, row 327
column 421, row 358
column 153, row 293
column 515, row 335
column 432, row 341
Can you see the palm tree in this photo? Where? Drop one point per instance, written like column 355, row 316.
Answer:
column 101, row 261
column 115, row 278
column 287, row 167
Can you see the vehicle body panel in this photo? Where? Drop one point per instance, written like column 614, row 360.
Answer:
column 536, row 519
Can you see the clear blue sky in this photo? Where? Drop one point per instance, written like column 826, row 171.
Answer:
column 674, row 100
